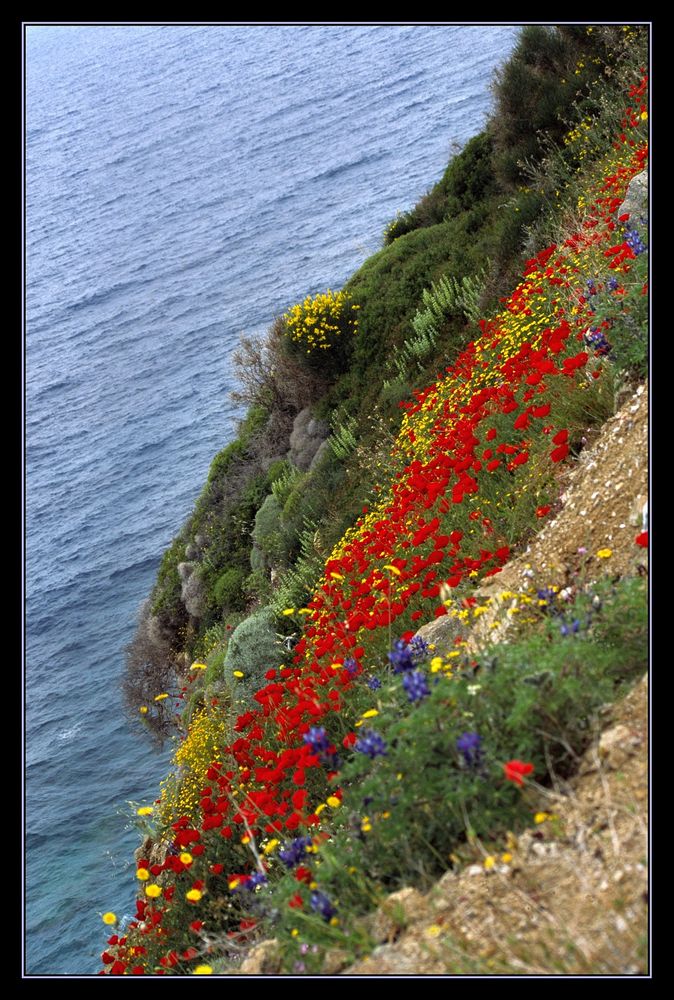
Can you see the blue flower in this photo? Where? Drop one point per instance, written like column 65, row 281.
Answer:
column 596, row 339
column 420, row 648
column 374, row 683
column 591, row 287
column 573, row 628
column 371, row 743
column 406, row 657
column 469, row 746
column 415, row 685
column 351, row 666
column 256, row 879
column 317, row 739
column 634, row 242
column 320, row 903
column 401, row 657
column 295, row 851
column 612, row 284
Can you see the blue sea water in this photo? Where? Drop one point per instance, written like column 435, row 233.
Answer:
column 184, row 184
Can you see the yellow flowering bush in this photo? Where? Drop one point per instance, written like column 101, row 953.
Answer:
column 323, row 325
column 205, row 737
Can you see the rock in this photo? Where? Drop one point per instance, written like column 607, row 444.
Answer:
column 334, row 961
column 306, row 438
column 192, row 595
column 155, row 631
column 400, row 909
column 440, row 633
column 616, row 744
column 318, row 457
column 191, row 551
column 262, row 960
column 185, row 570
column 636, row 200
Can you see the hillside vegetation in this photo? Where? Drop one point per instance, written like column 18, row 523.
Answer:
column 406, row 437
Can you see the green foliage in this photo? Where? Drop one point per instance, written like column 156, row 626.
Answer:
column 622, row 315
column 535, row 699
column 257, row 585
column 284, row 481
column 253, row 648
column 166, row 591
column 343, row 440
column 227, row 591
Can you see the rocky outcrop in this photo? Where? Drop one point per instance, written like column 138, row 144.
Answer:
column 308, row 434
column 636, row 199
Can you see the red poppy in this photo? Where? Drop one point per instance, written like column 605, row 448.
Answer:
column 515, row 770
column 642, row 539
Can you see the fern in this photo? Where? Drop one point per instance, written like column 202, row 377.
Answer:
column 343, row 440
column 446, row 297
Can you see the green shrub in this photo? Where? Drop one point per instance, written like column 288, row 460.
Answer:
column 227, row 592
column 253, row 648
column 257, row 585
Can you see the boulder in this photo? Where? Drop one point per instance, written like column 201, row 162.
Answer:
column 636, row 199
column 307, row 435
column 192, row 595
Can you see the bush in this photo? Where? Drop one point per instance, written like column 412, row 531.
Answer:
column 228, row 592
column 321, row 330
column 253, row 648
column 271, row 375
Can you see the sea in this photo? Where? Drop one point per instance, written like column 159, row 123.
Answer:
column 184, row 184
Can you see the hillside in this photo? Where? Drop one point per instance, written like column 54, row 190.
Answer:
column 399, row 607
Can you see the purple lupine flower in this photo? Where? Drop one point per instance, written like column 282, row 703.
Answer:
column 596, row 339
column 634, row 242
column 469, row 746
column 571, row 629
column 420, row 648
column 401, row 657
column 292, row 854
column 371, row 743
column 320, row 903
column 256, row 879
column 415, row 685
column 317, row 739
column 374, row 683
column 612, row 284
